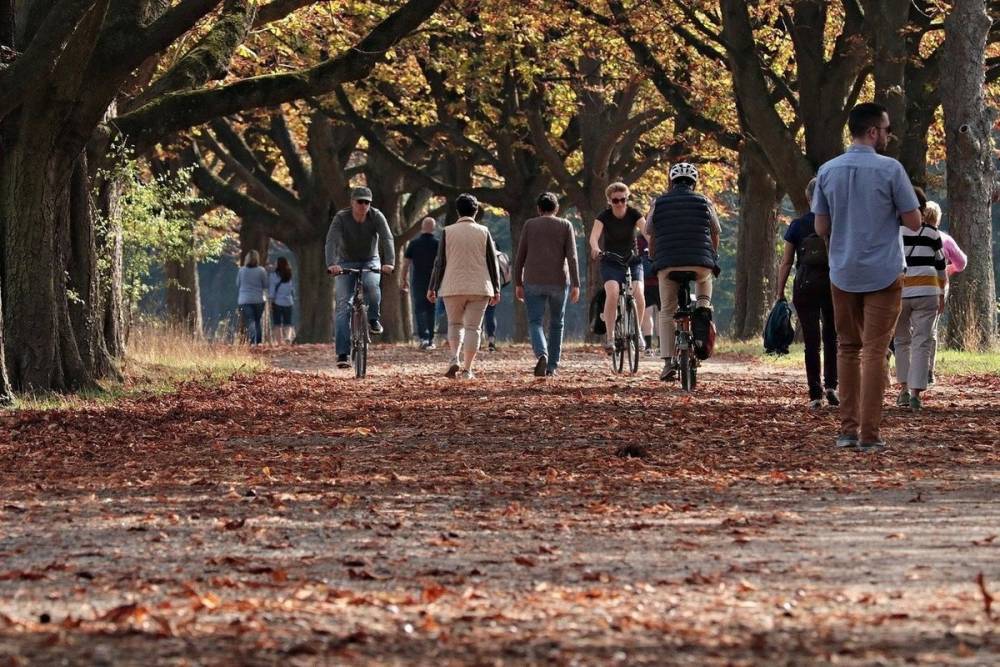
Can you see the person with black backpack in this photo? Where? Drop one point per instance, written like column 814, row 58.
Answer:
column 813, row 302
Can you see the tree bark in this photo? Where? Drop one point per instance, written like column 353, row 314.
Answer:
column 968, row 123
column 41, row 349
column 315, row 292
column 184, row 296
column 756, row 261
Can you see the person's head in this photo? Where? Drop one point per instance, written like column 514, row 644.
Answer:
column 868, row 124
column 427, row 225
column 251, row 259
column 466, row 205
column 684, row 174
column 283, row 269
column 617, row 194
column 548, row 203
column 921, row 197
column 810, row 190
column 361, row 201
column 932, row 214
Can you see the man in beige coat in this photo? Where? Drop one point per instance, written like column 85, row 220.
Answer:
column 467, row 277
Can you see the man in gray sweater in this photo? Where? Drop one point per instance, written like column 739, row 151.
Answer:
column 545, row 271
column 358, row 236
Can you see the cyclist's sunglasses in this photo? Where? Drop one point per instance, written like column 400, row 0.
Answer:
column 364, row 202
column 619, row 200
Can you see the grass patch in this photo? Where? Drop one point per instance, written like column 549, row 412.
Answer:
column 158, row 361
column 949, row 362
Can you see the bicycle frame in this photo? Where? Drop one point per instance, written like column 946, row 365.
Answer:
column 360, row 335
column 626, row 324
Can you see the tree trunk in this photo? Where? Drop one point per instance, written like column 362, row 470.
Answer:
column 972, row 312
column 756, row 261
column 116, row 320
column 252, row 237
column 315, row 293
column 184, row 296
column 41, row 348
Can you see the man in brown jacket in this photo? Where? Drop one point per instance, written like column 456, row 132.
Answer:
column 545, row 272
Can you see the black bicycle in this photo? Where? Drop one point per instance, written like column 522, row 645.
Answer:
column 687, row 362
column 626, row 331
column 360, row 333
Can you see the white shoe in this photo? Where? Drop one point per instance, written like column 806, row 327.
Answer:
column 816, row 403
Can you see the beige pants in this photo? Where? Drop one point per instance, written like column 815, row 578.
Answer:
column 865, row 324
column 465, row 321
column 668, row 301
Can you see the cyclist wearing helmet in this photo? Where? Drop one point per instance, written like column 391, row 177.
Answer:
column 683, row 231
column 618, row 225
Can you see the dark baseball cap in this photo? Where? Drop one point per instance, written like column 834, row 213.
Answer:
column 361, row 194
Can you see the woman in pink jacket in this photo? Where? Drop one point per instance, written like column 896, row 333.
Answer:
column 956, row 259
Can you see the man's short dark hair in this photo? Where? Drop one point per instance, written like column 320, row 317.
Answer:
column 863, row 117
column 466, row 205
column 547, row 202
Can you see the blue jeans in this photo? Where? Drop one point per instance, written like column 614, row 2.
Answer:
column 345, row 290
column 251, row 314
column 490, row 321
column 441, row 317
column 423, row 313
column 535, row 299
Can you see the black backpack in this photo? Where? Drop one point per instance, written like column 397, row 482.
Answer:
column 779, row 332
column 813, row 253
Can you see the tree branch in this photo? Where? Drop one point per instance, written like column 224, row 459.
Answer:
column 43, row 52
column 178, row 111
column 282, row 138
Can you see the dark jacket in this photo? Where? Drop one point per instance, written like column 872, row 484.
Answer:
column 682, row 230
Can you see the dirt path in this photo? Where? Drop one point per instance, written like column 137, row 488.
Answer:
column 308, row 518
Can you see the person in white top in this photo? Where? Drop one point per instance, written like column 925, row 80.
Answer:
column 467, row 277
column 924, row 285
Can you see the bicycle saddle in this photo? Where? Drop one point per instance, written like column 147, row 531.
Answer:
column 682, row 276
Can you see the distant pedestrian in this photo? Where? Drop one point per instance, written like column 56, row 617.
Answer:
column 860, row 198
column 282, row 291
column 924, row 285
column 251, row 283
column 467, row 277
column 546, row 271
column 420, row 254
column 956, row 261
column 813, row 302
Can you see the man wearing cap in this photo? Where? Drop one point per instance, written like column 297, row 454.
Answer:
column 357, row 238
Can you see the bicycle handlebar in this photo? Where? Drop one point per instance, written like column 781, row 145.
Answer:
column 357, row 271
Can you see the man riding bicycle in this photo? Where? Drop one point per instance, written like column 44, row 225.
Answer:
column 683, row 231
column 618, row 225
column 351, row 244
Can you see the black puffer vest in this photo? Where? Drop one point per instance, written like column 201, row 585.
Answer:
column 682, row 228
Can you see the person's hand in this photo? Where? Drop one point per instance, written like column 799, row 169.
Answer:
column 387, row 269
column 334, row 270
column 574, row 294
column 404, row 286
column 519, row 292
column 595, row 252
column 431, row 296
column 495, row 299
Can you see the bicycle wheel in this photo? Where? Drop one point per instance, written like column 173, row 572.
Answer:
column 359, row 342
column 686, row 370
column 632, row 337
column 618, row 355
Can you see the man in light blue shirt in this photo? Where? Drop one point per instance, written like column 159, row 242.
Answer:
column 861, row 197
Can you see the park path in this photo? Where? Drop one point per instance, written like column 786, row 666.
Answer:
column 304, row 517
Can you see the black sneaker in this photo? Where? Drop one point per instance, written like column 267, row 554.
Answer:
column 452, row 371
column 375, row 327
column 669, row 372
column 541, row 365
column 832, row 398
column 492, row 345
column 342, row 361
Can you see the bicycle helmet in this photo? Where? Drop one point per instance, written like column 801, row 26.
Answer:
column 684, row 170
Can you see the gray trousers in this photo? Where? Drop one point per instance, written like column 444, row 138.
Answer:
column 916, row 333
